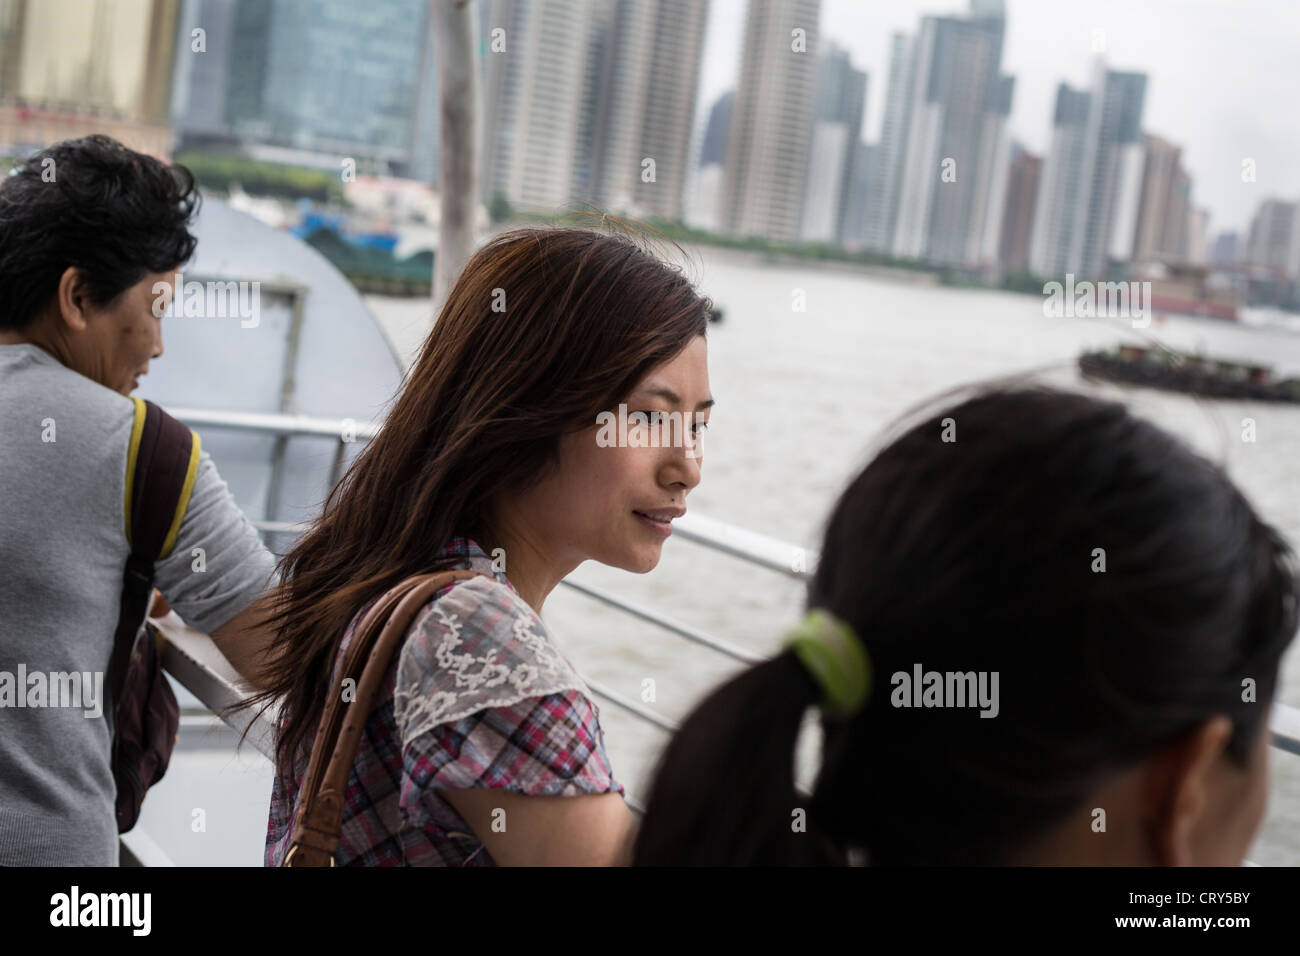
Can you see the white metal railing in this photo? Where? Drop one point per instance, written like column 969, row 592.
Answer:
column 194, row 661
column 278, row 423
column 1284, row 723
column 646, row 614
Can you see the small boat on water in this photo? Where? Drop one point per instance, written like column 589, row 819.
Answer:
column 1194, row 374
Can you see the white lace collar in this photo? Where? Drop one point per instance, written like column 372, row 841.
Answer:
column 478, row 646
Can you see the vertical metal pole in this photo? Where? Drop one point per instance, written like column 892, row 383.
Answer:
column 340, row 453
column 457, row 45
column 288, row 388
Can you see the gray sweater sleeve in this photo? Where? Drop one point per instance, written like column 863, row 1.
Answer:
column 219, row 565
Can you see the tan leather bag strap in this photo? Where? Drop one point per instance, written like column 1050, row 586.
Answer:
column 320, row 802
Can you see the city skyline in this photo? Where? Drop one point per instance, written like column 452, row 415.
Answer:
column 593, row 101
column 1047, row 44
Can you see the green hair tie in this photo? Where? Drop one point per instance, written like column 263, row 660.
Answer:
column 837, row 658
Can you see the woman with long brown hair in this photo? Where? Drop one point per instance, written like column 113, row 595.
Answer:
column 484, row 746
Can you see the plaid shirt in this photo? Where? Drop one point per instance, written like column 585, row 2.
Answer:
column 394, row 813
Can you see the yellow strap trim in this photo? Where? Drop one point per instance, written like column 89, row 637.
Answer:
column 191, row 472
column 133, row 452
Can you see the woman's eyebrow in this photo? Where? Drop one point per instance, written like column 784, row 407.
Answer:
column 660, row 391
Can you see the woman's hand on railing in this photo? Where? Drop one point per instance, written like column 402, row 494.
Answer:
column 160, row 606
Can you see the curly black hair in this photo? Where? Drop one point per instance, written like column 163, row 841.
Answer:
column 114, row 214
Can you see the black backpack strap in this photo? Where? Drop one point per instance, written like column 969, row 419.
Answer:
column 161, row 465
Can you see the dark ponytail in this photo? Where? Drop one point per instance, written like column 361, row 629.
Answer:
column 724, row 791
column 1117, row 583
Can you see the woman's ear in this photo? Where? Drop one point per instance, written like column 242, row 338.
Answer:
column 1177, row 790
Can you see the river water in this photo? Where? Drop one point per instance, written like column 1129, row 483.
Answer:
column 801, row 397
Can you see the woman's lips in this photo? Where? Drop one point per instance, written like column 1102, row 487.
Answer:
column 663, row 528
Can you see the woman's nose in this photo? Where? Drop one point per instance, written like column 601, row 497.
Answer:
column 684, row 466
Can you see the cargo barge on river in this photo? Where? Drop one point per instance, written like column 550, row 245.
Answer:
column 1193, row 374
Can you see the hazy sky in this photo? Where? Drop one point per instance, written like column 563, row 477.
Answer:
column 1223, row 76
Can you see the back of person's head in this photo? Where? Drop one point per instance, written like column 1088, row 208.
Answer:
column 543, row 330
column 93, row 204
column 1118, row 584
